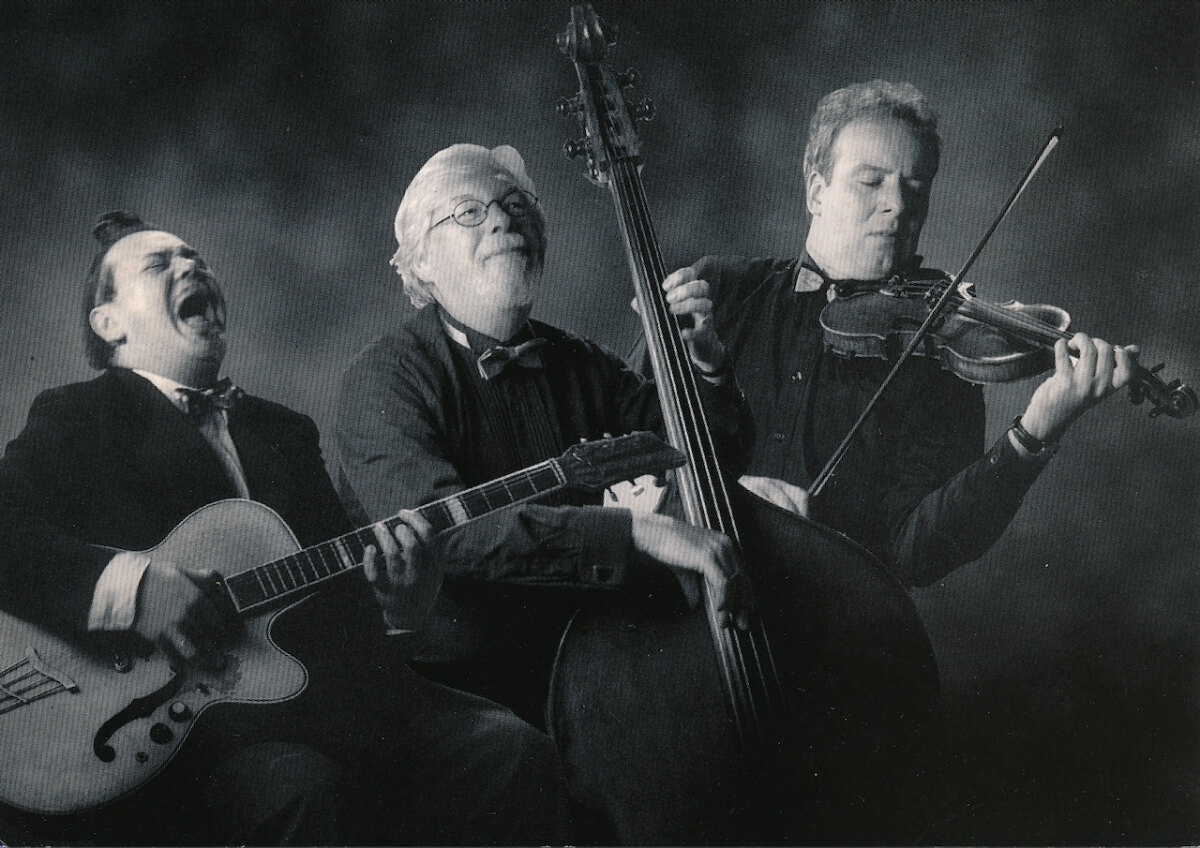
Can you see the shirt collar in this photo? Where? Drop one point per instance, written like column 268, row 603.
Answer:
column 810, row 277
column 169, row 388
column 478, row 342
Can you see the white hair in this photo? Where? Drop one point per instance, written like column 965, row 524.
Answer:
column 431, row 185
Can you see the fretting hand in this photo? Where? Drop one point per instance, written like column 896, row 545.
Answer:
column 1077, row 385
column 408, row 584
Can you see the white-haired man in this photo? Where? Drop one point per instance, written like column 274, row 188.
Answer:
column 470, row 388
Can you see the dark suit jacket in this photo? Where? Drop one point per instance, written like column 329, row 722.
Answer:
column 113, row 462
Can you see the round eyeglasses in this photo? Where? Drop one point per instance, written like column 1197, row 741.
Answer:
column 472, row 212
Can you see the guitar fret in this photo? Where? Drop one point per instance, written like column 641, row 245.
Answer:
column 261, row 584
column 305, row 579
column 458, row 510
column 331, row 562
column 300, row 578
column 343, row 554
column 266, row 572
column 439, row 515
column 286, row 577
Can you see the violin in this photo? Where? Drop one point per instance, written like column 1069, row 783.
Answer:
column 980, row 341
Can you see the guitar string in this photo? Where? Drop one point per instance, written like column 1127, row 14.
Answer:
column 496, row 494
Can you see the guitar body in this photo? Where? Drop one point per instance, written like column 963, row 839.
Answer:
column 80, row 727
column 637, row 711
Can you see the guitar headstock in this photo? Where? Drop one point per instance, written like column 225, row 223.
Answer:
column 608, row 121
column 594, row 466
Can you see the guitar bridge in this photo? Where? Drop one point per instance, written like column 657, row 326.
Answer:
column 29, row 680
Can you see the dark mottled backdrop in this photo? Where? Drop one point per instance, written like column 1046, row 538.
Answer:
column 278, row 138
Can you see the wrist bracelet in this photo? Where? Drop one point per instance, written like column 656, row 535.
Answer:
column 1026, row 439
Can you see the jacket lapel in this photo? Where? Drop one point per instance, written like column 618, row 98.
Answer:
column 268, row 475
column 171, row 455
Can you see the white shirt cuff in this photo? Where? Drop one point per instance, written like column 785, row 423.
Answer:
column 114, row 603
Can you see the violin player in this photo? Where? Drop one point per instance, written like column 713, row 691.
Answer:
column 121, row 460
column 470, row 387
column 916, row 486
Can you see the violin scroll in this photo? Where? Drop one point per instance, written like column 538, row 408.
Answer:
column 1173, row 398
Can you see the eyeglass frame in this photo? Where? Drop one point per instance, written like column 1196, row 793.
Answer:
column 487, row 206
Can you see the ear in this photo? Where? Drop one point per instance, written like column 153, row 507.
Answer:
column 423, row 267
column 106, row 323
column 814, row 186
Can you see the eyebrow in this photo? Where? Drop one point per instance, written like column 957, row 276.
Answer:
column 167, row 253
column 156, row 257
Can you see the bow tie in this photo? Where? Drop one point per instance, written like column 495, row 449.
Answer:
column 494, row 360
column 197, row 402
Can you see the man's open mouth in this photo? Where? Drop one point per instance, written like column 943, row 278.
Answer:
column 198, row 310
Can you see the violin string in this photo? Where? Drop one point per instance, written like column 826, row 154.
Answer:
column 1003, row 319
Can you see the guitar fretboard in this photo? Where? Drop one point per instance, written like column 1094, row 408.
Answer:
column 264, row 584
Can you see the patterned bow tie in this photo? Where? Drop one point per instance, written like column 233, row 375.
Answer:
column 223, row 395
column 494, row 360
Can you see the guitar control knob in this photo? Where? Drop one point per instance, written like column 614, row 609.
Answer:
column 161, row 734
column 179, row 711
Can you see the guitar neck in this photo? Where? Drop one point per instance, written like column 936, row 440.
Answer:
column 291, row 575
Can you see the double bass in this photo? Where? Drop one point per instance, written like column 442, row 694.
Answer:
column 673, row 726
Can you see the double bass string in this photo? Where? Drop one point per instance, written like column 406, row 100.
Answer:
column 737, row 658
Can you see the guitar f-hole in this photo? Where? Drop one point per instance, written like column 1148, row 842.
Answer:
column 138, row 708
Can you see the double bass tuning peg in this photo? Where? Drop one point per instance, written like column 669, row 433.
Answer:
column 568, row 106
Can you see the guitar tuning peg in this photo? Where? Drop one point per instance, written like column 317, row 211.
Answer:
column 628, row 78
column 569, row 106
column 575, row 148
column 644, row 109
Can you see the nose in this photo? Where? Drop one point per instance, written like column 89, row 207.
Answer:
column 892, row 198
column 500, row 221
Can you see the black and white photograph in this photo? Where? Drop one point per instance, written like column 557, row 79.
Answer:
column 660, row 422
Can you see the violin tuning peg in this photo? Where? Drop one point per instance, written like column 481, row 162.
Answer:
column 575, row 148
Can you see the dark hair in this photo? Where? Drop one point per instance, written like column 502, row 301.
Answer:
column 98, row 286
column 863, row 100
